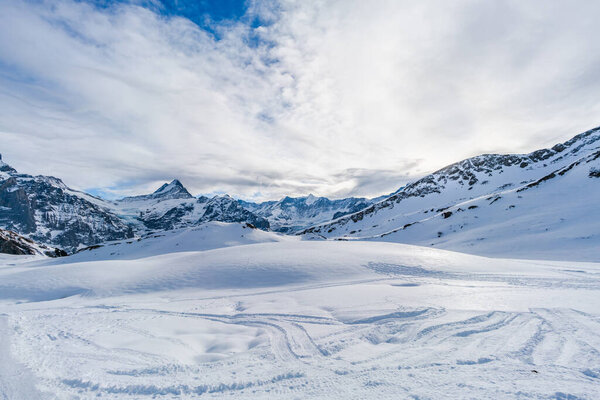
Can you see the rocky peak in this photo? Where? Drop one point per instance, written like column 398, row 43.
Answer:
column 7, row 169
column 174, row 189
column 15, row 244
column 171, row 190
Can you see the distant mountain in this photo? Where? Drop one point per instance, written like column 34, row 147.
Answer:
column 173, row 190
column 293, row 214
column 173, row 207
column 226, row 209
column 44, row 209
column 520, row 205
column 517, row 205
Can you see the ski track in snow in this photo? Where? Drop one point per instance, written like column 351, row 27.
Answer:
column 16, row 381
column 405, row 330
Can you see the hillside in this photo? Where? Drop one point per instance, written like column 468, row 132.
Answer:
column 536, row 205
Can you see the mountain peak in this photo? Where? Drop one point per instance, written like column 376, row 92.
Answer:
column 310, row 199
column 4, row 167
column 171, row 190
column 174, row 189
column 175, row 184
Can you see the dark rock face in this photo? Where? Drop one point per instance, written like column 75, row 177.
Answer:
column 47, row 211
column 12, row 243
column 9, row 245
column 56, row 253
column 17, row 212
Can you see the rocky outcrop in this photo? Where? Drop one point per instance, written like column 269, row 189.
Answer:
column 12, row 243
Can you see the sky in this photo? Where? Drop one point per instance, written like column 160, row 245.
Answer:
column 262, row 99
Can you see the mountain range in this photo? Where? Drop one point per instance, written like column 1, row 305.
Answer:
column 492, row 204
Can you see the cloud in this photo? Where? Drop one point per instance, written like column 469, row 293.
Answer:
column 336, row 98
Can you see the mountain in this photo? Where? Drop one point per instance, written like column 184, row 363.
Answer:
column 172, row 190
column 15, row 244
column 226, row 209
column 45, row 210
column 290, row 215
column 519, row 205
column 173, row 207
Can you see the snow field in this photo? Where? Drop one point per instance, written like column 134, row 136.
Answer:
column 300, row 319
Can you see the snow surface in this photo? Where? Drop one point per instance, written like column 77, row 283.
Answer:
column 296, row 319
column 210, row 235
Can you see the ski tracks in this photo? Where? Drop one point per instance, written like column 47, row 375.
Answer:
column 16, row 381
column 388, row 353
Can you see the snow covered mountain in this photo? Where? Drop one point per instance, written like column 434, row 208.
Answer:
column 291, row 214
column 168, row 191
column 519, row 205
column 44, row 209
column 173, row 207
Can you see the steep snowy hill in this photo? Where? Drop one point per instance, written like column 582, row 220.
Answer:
column 291, row 214
column 44, row 209
column 537, row 205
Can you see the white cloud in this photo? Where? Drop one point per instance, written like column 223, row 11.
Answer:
column 338, row 98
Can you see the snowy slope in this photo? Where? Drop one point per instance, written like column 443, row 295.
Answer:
column 300, row 319
column 538, row 205
column 207, row 236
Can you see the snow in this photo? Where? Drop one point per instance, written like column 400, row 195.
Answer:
column 220, row 310
column 210, row 235
column 310, row 199
column 266, row 316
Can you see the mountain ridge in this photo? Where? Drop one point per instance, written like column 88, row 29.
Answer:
column 46, row 210
column 478, row 203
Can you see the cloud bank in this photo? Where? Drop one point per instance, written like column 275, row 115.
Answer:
column 335, row 98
